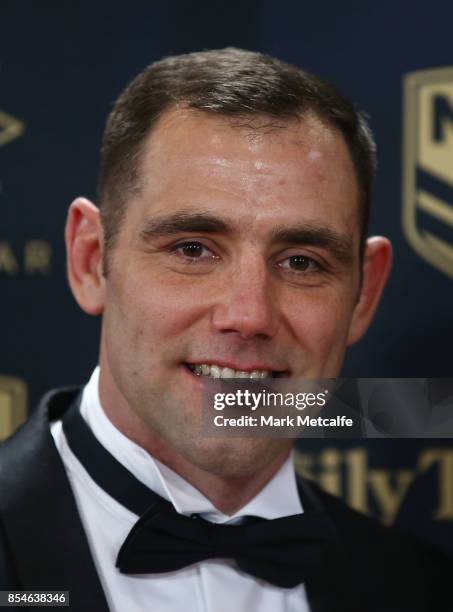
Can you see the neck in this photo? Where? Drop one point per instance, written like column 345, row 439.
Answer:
column 228, row 492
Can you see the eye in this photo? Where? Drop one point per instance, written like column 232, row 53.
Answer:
column 300, row 264
column 193, row 251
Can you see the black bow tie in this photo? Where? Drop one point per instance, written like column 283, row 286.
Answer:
column 284, row 551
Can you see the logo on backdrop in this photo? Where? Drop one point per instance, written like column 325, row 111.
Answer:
column 35, row 255
column 13, row 404
column 10, row 128
column 375, row 490
column 35, row 258
column 428, row 165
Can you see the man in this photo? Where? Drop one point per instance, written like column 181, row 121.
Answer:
column 230, row 241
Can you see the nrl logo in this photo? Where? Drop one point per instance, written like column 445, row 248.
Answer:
column 428, row 165
column 13, row 404
column 10, row 128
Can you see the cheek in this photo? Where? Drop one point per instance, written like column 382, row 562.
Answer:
column 320, row 322
column 171, row 309
column 149, row 312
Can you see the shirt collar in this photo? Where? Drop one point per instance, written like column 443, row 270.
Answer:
column 278, row 498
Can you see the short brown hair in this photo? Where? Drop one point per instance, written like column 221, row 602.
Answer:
column 231, row 82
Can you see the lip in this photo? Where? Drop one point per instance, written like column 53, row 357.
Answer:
column 249, row 367
column 197, row 380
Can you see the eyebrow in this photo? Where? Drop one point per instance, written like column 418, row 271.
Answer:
column 319, row 236
column 181, row 222
column 307, row 234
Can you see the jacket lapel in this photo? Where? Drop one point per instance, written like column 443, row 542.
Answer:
column 42, row 525
column 334, row 591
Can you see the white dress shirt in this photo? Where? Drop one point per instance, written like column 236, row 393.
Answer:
column 208, row 586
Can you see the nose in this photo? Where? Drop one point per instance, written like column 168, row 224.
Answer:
column 247, row 306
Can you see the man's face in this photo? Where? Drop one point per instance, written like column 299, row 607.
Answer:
column 240, row 252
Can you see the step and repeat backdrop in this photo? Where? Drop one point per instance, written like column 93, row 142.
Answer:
column 63, row 63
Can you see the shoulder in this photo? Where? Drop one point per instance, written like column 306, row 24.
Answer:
column 29, row 464
column 382, row 557
column 36, row 428
column 361, row 533
column 29, row 456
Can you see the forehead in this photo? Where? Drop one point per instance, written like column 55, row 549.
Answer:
column 262, row 169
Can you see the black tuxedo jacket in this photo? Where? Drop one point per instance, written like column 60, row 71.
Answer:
column 43, row 544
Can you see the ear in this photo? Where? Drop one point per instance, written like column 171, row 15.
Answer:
column 84, row 244
column 376, row 267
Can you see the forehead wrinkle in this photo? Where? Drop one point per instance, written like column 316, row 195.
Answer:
column 216, row 164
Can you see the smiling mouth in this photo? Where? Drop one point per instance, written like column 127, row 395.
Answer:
column 216, row 371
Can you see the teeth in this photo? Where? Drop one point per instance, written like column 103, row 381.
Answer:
column 227, row 373
column 214, row 371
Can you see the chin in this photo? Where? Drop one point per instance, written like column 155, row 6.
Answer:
column 235, row 457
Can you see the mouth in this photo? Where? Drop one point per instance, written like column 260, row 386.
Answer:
column 213, row 370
